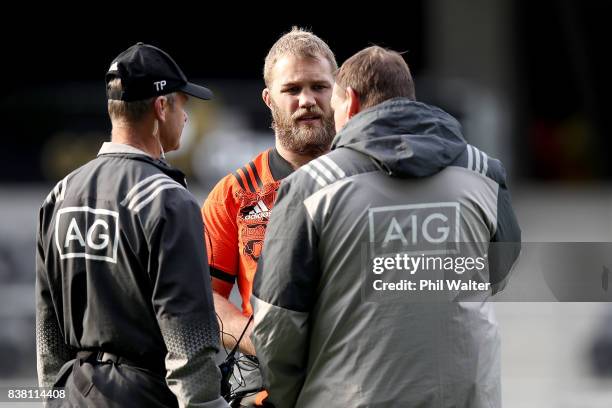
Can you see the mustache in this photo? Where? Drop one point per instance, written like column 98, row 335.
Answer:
column 313, row 110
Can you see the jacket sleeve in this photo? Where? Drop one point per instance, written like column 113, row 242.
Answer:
column 182, row 300
column 284, row 292
column 51, row 350
column 505, row 245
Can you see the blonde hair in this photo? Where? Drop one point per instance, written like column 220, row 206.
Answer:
column 298, row 42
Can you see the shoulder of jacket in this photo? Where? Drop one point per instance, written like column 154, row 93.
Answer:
column 329, row 169
column 480, row 162
column 149, row 188
column 58, row 192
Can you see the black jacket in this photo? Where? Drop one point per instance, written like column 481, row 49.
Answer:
column 121, row 266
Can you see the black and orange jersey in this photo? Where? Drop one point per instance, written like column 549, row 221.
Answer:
column 236, row 215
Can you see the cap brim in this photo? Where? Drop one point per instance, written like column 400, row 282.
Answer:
column 197, row 91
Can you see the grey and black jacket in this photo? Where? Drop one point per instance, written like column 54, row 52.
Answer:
column 323, row 337
column 121, row 267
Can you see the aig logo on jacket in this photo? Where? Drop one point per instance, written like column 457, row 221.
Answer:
column 401, row 227
column 90, row 233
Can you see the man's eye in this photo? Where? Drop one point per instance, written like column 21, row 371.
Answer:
column 319, row 87
column 292, row 90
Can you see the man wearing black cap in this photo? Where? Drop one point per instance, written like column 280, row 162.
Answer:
column 122, row 282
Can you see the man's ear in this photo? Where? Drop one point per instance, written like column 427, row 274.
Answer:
column 353, row 102
column 265, row 95
column 160, row 108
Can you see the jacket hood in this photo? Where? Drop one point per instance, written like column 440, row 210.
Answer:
column 406, row 138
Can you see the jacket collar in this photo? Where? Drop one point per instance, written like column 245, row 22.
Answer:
column 112, row 147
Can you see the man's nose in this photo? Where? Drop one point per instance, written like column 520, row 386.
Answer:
column 307, row 99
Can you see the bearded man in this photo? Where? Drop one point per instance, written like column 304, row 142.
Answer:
column 299, row 76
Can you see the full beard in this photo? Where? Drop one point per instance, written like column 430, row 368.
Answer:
column 304, row 139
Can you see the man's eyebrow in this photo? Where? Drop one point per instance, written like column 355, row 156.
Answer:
column 300, row 83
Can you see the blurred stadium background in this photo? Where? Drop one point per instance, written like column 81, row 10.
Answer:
column 528, row 80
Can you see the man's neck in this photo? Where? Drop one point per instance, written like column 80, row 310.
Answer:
column 139, row 137
column 296, row 160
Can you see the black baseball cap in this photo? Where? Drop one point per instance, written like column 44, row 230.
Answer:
column 146, row 72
